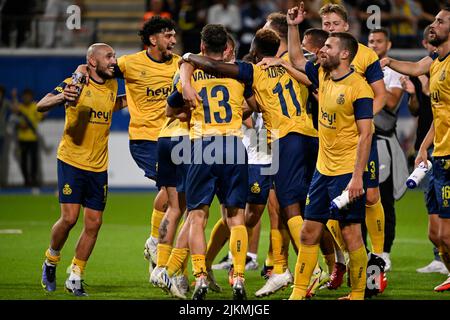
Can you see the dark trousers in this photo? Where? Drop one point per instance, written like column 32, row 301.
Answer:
column 388, row 202
column 29, row 162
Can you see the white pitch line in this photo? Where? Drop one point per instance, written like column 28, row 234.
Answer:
column 10, row 231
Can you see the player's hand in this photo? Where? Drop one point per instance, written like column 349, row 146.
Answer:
column 70, row 93
column 296, row 15
column 270, row 62
column 422, row 156
column 83, row 68
column 407, row 85
column 355, row 188
column 190, row 96
column 385, row 62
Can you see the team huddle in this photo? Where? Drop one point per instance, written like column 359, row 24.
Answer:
column 290, row 127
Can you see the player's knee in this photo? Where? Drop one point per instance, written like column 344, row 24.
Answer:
column 372, row 196
column 444, row 239
column 433, row 236
column 68, row 219
column 93, row 224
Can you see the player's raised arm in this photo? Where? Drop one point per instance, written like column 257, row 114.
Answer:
column 190, row 96
column 61, row 94
column 294, row 17
column 211, row 66
column 409, row 68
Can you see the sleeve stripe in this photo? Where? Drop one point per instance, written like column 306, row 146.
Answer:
column 374, row 72
column 363, row 108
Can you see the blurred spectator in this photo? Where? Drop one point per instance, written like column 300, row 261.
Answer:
column 16, row 15
column 190, row 26
column 224, row 13
column 404, row 15
column 252, row 17
column 5, row 108
column 267, row 6
column 27, row 136
column 157, row 9
column 430, row 8
column 55, row 18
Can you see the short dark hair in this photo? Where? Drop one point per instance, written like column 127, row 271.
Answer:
column 446, row 7
column 318, row 36
column 279, row 23
column 382, row 30
column 154, row 25
column 334, row 8
column 347, row 42
column 214, row 37
column 266, row 42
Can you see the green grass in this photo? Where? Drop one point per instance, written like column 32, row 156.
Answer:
column 117, row 269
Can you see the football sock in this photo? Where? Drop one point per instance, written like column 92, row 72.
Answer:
column 445, row 257
column 176, row 260
column 53, row 257
column 238, row 248
column 198, row 265
column 163, row 253
column 335, row 229
column 375, row 226
column 295, row 227
column 285, row 248
column 219, row 236
column 78, row 267
column 157, row 216
column 277, row 251
column 358, row 266
column 306, row 263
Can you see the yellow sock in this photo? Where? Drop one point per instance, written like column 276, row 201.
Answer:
column 157, row 216
column 238, row 248
column 198, row 265
column 219, row 236
column 162, row 254
column 375, row 226
column 277, row 251
column 329, row 260
column 335, row 229
column 176, row 260
column 445, row 257
column 78, row 266
column 295, row 227
column 52, row 259
column 269, row 258
column 358, row 266
column 306, row 262
column 184, row 268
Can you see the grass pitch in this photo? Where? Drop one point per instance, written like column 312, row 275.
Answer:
column 117, row 269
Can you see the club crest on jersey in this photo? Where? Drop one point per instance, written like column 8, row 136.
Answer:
column 340, row 99
column 255, row 188
column 442, row 76
column 88, row 93
column 445, row 203
column 67, row 191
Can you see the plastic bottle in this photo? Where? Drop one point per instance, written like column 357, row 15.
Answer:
column 78, row 80
column 417, row 175
column 340, row 202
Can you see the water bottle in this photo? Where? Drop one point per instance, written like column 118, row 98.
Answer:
column 417, row 175
column 78, row 80
column 340, row 202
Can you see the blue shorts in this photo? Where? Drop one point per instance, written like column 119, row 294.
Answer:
column 323, row 189
column 297, row 156
column 258, row 185
column 170, row 171
column 226, row 177
column 144, row 153
column 441, row 181
column 373, row 165
column 430, row 195
column 88, row 188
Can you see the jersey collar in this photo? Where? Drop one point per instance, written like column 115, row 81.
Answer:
column 345, row 76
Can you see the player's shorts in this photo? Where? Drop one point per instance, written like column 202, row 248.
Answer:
column 210, row 172
column 441, row 177
column 258, row 184
column 88, row 188
column 373, row 165
column 297, row 156
column 144, row 153
column 323, row 189
column 170, row 171
column 430, row 195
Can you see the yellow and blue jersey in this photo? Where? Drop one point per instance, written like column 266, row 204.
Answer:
column 30, row 117
column 220, row 112
column 279, row 96
column 367, row 64
column 440, row 103
column 148, row 83
column 84, row 143
column 341, row 102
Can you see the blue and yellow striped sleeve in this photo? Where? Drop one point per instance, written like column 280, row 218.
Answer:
column 60, row 87
column 245, row 72
column 374, row 72
column 312, row 72
column 363, row 108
